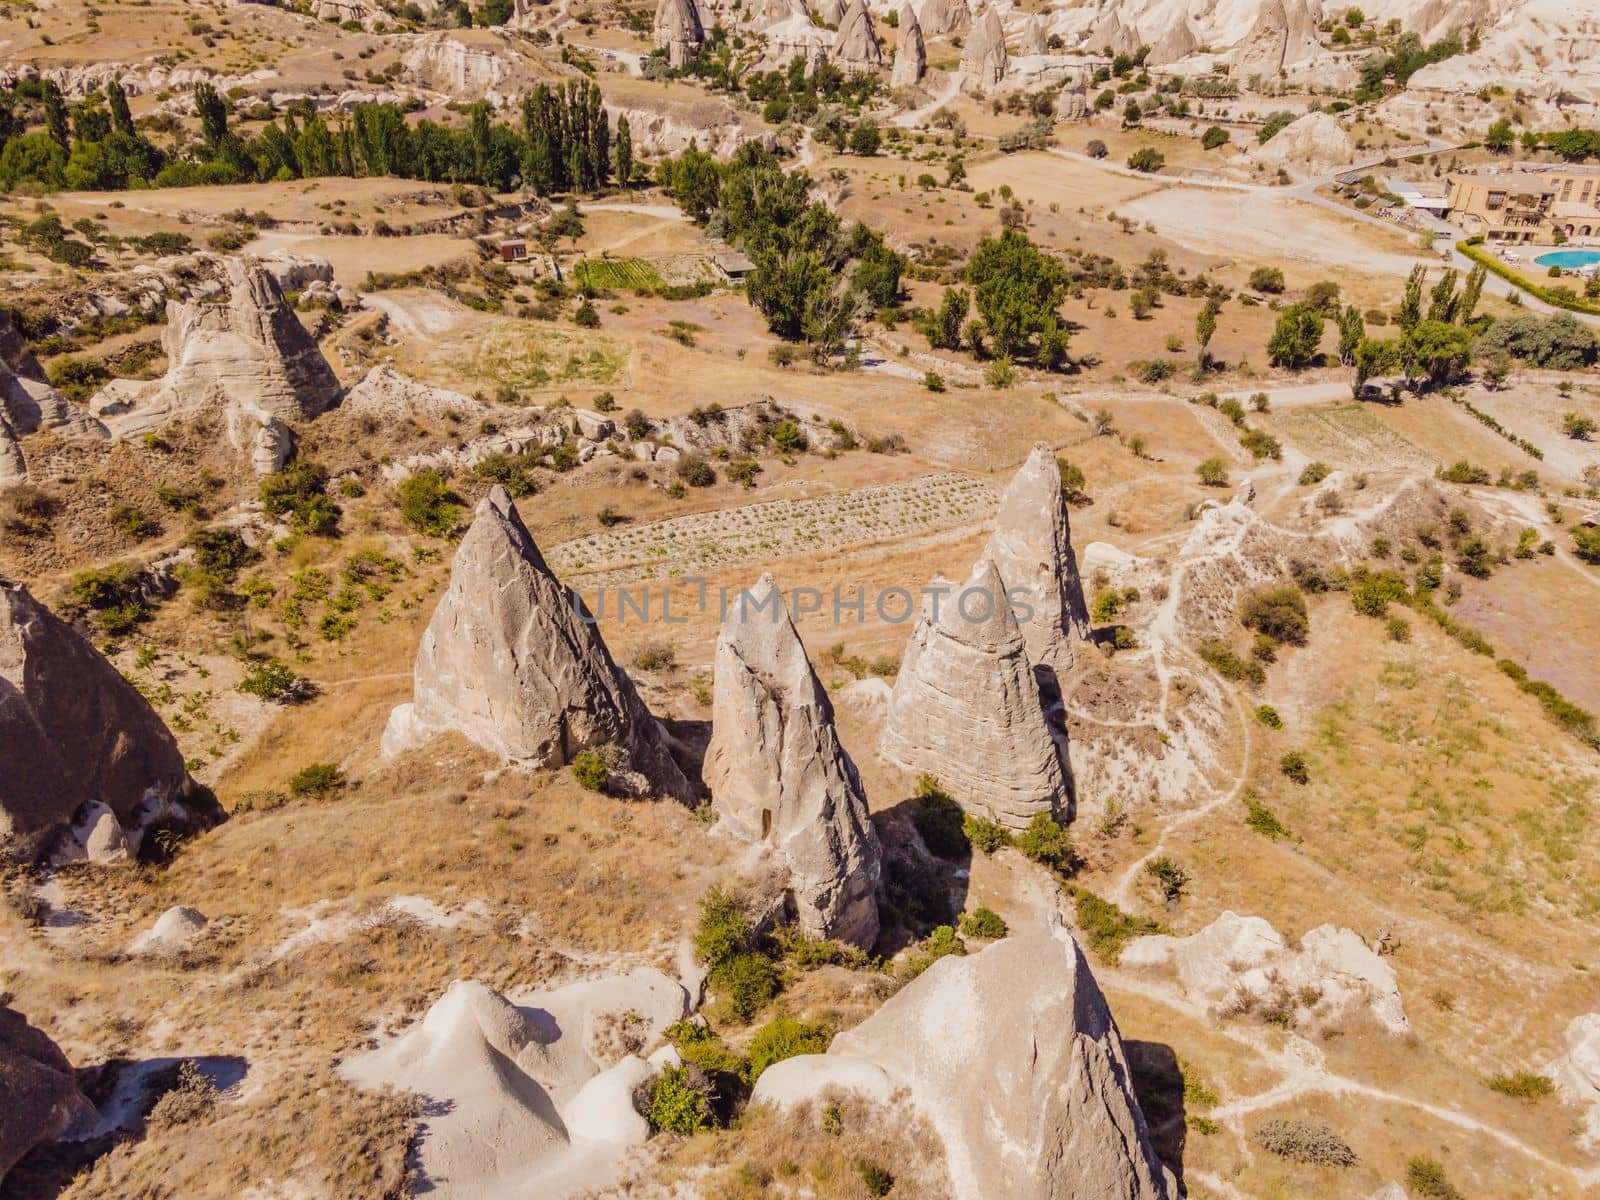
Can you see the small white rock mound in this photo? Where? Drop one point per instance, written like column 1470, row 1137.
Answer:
column 39, row 1097
column 385, row 393
column 524, row 1108
column 778, row 775
column 509, row 662
column 1031, row 547
column 82, row 753
column 984, row 58
column 174, row 931
column 1314, row 144
column 1013, row 1057
column 1577, row 1076
column 1245, row 960
column 966, row 707
column 910, row 53
column 678, row 30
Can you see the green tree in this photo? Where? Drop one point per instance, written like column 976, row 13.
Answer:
column 55, row 114
column 1017, row 288
column 1372, row 357
column 1296, row 337
column 1147, row 159
column 1205, row 328
column 1214, row 137
column 1267, row 280
column 865, row 138
column 1436, row 352
column 1411, row 305
column 1352, row 329
column 622, row 152
column 1499, row 137
column 943, row 327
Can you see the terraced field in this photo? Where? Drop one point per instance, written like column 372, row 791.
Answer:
column 615, row 273
column 776, row 529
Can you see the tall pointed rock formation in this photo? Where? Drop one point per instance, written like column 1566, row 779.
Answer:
column 940, row 17
column 966, row 707
column 1031, row 547
column 78, row 743
column 678, row 30
column 1035, row 39
column 1015, row 1039
column 778, row 775
column 911, row 52
column 984, row 58
column 856, row 47
column 508, row 662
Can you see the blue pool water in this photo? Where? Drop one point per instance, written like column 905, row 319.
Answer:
column 1569, row 260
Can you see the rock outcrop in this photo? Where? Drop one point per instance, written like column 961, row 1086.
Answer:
column 831, row 12
column 174, row 932
column 78, row 744
column 678, row 30
column 910, row 52
column 856, row 46
column 1072, row 102
column 1285, row 33
column 1315, row 144
column 1031, row 547
column 941, row 17
column 388, row 395
column 13, row 467
column 984, row 58
column 249, row 359
column 1013, row 1057
column 1245, row 957
column 778, row 775
column 39, row 1097
column 1177, row 41
column 1577, row 1076
column 1112, row 35
column 487, row 69
column 1035, row 39
column 509, row 662
column 966, row 707
column 527, row 1107
column 27, row 402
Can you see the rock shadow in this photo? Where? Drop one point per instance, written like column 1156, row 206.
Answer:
column 1158, row 1086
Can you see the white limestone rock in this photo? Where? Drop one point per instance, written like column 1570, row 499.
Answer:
column 941, row 17
column 1577, row 1076
column 856, row 46
column 678, row 30
column 508, row 662
column 984, row 58
column 911, row 53
column 966, row 707
column 778, row 775
column 174, row 931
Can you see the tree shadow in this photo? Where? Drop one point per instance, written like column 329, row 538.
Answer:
column 926, row 864
column 1158, row 1086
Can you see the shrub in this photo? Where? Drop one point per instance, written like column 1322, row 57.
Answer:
column 1169, row 877
column 789, row 438
column 590, row 770
column 427, row 503
column 1227, row 663
column 1293, row 765
column 1047, row 841
column 877, row 1180
column 983, row 922
column 1261, row 444
column 939, row 820
column 1280, row 613
column 1426, row 1177
column 743, row 471
column 1106, row 926
column 746, row 981
column 190, row 1099
column 1523, row 1085
column 1314, row 472
column 1463, row 471
column 678, row 1105
column 318, row 781
column 1214, row 137
column 1268, row 280
column 694, row 470
column 785, row 1037
column 1262, row 820
column 1213, row 472
column 1268, row 716
column 1306, row 1142
column 275, row 681
column 1586, row 543
column 133, row 523
column 933, row 381
column 220, row 552
column 1398, row 629
column 300, row 491
column 941, row 942
column 723, row 928
column 986, row 836
column 1147, row 159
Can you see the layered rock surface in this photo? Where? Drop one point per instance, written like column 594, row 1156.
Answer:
column 778, row 775
column 856, row 46
column 39, row 1097
column 78, row 742
column 1013, row 1056
column 1031, row 548
column 966, row 707
column 508, row 662
column 1315, row 144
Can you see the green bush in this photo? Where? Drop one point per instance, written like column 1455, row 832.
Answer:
column 940, row 943
column 1280, row 613
column 1293, row 766
column 678, row 1105
column 1169, row 876
column 1586, row 543
column 1462, row 471
column 1213, row 472
column 939, row 820
column 134, row 523
column 723, row 929
column 746, row 982
column 1267, row 280
column 1522, row 1085
column 1314, row 472
column 427, row 503
column 300, row 490
column 1106, row 926
column 1371, row 592
column 275, row 681
column 877, row 1180
column 319, row 781
column 590, row 770
column 1226, row 662
column 1046, row 841
column 983, row 922
column 1268, row 716
column 785, row 1037
column 987, row 836
column 1262, row 819
column 1426, row 1177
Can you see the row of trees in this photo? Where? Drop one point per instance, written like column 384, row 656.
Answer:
column 1574, row 145
column 565, row 142
column 813, row 278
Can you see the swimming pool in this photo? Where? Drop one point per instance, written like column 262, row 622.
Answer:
column 1569, row 260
